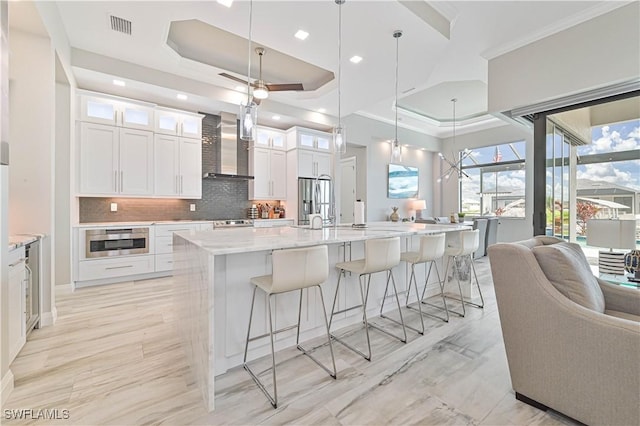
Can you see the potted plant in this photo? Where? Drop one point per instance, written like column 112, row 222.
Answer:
column 461, row 217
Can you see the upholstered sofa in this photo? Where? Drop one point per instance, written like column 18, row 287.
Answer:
column 572, row 340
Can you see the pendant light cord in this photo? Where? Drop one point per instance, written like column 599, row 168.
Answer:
column 249, row 62
column 397, row 34
column 340, row 2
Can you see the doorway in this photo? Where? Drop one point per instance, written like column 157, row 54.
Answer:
column 347, row 189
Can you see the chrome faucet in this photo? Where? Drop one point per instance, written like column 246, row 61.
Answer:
column 332, row 198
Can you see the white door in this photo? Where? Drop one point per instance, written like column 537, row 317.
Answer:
column 347, row 189
column 323, row 164
column 166, row 165
column 259, row 161
column 99, row 168
column 278, row 175
column 306, row 164
column 136, row 162
column 190, row 168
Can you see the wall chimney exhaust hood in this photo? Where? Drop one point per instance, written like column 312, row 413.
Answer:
column 231, row 158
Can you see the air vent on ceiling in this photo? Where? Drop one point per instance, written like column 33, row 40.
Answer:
column 120, row 24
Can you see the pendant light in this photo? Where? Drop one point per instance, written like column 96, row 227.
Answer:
column 454, row 166
column 339, row 134
column 396, row 150
column 249, row 110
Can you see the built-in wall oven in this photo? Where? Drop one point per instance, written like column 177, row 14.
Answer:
column 116, row 242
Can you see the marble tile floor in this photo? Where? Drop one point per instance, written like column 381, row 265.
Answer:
column 113, row 357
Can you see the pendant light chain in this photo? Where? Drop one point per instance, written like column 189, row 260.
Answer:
column 454, row 100
column 397, row 36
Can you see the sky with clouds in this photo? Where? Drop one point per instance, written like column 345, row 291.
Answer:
column 613, row 138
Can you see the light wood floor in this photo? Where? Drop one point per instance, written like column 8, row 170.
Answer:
column 113, row 357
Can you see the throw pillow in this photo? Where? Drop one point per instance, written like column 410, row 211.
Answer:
column 566, row 267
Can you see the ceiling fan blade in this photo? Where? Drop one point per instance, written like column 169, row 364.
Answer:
column 284, row 86
column 234, row 78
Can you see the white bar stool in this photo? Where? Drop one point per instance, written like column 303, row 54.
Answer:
column 469, row 243
column 293, row 269
column 380, row 254
column 431, row 249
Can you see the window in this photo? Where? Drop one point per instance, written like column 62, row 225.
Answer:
column 496, row 181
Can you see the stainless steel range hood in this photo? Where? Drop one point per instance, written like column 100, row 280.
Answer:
column 228, row 151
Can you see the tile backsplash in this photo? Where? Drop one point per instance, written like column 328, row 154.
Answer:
column 221, row 199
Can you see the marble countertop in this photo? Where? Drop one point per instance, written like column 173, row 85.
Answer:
column 242, row 240
column 20, row 240
column 144, row 223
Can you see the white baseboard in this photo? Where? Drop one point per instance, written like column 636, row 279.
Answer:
column 49, row 318
column 6, row 386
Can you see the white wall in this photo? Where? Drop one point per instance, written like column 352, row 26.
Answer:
column 62, row 195
column 375, row 135
column 32, row 135
column 595, row 54
column 446, row 193
column 360, row 153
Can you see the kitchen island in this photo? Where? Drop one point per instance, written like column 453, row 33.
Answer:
column 212, row 291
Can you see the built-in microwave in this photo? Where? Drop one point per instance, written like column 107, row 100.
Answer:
column 116, row 242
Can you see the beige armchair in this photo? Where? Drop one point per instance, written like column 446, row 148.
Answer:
column 572, row 340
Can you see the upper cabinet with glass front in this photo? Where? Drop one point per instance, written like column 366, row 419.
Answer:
column 114, row 111
column 299, row 137
column 270, row 138
column 179, row 123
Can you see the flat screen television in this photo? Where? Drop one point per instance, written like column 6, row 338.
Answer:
column 403, row 181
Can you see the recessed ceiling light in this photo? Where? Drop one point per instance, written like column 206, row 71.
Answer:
column 276, row 117
column 322, row 110
column 355, row 59
column 227, row 3
column 301, row 34
column 119, row 83
column 181, row 96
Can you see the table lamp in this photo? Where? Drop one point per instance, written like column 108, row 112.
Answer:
column 419, row 206
column 612, row 234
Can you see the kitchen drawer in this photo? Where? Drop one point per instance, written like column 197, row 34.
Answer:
column 168, row 230
column 117, row 267
column 164, row 245
column 164, row 262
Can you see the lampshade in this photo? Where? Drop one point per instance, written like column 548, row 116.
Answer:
column 260, row 91
column 419, row 204
column 611, row 233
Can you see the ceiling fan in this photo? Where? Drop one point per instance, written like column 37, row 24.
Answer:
column 262, row 89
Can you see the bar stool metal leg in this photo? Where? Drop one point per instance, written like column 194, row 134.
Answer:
column 432, row 263
column 461, row 300
column 326, row 323
column 391, row 278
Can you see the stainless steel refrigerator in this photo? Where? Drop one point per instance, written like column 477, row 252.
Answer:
column 314, row 196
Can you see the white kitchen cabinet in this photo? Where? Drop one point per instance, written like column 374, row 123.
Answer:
column 270, row 138
column 164, row 241
column 299, row 137
column 312, row 164
column 114, row 111
column 104, row 268
column 16, row 295
column 115, row 161
column 177, row 167
column 269, row 169
column 178, row 123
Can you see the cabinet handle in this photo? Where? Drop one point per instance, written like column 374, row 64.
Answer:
column 18, row 262
column 181, row 183
column 115, row 180
column 181, row 129
column 122, row 117
column 119, row 267
column 121, row 180
column 176, row 128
